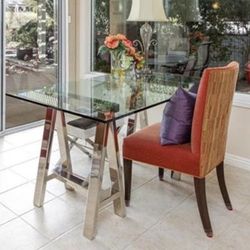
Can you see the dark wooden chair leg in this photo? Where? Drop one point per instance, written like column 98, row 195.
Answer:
column 127, row 180
column 161, row 173
column 175, row 175
column 200, row 191
column 222, row 184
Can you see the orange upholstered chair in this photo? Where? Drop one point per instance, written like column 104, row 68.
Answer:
column 206, row 150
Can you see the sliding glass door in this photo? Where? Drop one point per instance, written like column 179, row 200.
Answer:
column 31, row 54
column 1, row 68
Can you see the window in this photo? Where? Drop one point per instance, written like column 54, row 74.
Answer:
column 31, row 54
column 211, row 32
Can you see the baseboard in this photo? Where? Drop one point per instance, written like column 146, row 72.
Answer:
column 237, row 161
column 241, row 100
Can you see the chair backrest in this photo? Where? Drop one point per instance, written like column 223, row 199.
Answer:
column 211, row 115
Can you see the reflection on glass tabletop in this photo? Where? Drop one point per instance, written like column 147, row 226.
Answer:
column 101, row 94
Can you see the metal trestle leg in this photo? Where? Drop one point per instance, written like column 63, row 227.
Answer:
column 115, row 170
column 43, row 166
column 53, row 119
column 65, row 159
column 105, row 142
column 95, row 180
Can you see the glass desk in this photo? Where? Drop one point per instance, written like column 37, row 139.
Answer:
column 103, row 101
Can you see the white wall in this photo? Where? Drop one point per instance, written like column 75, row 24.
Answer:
column 83, row 33
column 79, row 43
column 238, row 144
column 239, row 132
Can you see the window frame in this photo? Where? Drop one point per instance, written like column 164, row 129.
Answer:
column 2, row 67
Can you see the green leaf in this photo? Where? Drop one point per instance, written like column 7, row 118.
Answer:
column 103, row 49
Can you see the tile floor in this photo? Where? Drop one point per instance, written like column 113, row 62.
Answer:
column 162, row 215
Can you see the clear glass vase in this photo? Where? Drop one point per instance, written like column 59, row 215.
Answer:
column 118, row 71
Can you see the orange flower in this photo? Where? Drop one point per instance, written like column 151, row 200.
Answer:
column 111, row 42
column 138, row 57
column 121, row 37
column 132, row 51
column 127, row 43
column 123, row 46
column 110, row 38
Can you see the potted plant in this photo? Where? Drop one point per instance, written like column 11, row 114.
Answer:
column 26, row 36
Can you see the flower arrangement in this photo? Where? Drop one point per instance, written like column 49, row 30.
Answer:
column 123, row 53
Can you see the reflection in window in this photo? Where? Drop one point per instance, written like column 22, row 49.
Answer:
column 31, row 54
column 198, row 34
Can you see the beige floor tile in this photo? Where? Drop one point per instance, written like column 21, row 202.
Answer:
column 162, row 215
column 4, row 145
column 187, row 214
column 55, row 156
column 74, row 240
column 55, row 145
column 25, row 137
column 235, row 237
column 14, row 157
column 56, row 187
column 55, row 217
column 5, row 214
column 81, row 166
column 20, row 200
column 33, row 149
column 9, row 180
column 78, row 155
column 245, row 213
column 27, row 169
column 74, row 198
column 239, row 200
column 116, row 232
column 18, row 235
column 159, row 238
column 237, row 179
column 152, row 200
column 142, row 174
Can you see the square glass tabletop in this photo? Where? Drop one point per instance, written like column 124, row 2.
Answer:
column 103, row 94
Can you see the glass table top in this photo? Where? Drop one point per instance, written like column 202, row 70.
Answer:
column 102, row 94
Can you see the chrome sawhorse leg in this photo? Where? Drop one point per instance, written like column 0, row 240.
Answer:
column 105, row 141
column 53, row 119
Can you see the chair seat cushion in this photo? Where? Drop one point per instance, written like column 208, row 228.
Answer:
column 144, row 146
column 177, row 118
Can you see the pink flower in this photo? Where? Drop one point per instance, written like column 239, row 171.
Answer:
column 121, row 37
column 131, row 51
column 120, row 44
column 111, row 42
column 127, row 43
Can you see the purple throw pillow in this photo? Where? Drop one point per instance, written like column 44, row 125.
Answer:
column 177, row 118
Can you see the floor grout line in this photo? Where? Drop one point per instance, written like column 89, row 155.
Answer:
column 70, row 229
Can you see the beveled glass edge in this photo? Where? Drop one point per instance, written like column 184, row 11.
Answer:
column 86, row 116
